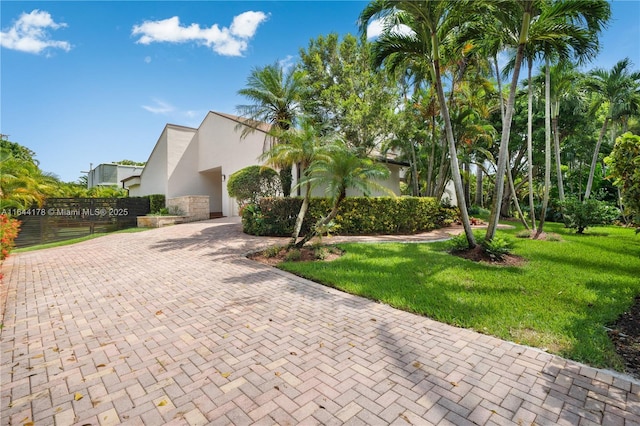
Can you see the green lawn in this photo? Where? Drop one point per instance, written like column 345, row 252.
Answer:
column 560, row 300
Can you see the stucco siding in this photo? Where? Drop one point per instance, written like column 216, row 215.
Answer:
column 153, row 179
column 222, row 148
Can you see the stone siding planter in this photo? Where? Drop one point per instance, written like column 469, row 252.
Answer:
column 158, row 221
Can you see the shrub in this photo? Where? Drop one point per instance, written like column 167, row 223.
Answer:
column 156, row 203
column 458, row 243
column 356, row 216
column 250, row 184
column 9, row 229
column 293, row 255
column 624, row 164
column 272, row 251
column 580, row 215
column 497, row 248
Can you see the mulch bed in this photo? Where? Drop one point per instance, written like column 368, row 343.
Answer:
column 477, row 254
column 625, row 335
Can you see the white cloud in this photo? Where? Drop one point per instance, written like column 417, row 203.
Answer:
column 377, row 27
column 286, row 63
column 231, row 41
column 147, row 59
column 29, row 33
column 159, row 107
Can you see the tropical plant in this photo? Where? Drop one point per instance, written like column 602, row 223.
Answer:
column 624, row 168
column 252, row 183
column 22, row 183
column 9, row 229
column 339, row 170
column 276, row 95
column 580, row 215
column 619, row 90
column 345, row 94
column 301, row 147
column 430, row 26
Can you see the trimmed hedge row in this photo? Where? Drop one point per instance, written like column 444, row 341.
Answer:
column 356, row 216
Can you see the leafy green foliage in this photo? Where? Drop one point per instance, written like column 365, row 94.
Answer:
column 580, row 215
column 275, row 96
column 293, row 255
column 345, row 93
column 130, row 163
column 497, row 248
column 9, row 229
column 156, row 202
column 250, row 184
column 356, row 215
column 624, row 162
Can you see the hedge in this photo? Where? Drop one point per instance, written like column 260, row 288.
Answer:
column 356, row 216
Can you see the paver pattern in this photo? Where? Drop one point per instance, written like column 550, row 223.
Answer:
column 175, row 326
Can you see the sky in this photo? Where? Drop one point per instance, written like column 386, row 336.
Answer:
column 91, row 82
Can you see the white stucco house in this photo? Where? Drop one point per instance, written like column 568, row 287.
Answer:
column 190, row 161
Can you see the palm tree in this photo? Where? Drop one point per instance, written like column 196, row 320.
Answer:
column 22, row 183
column 302, row 147
column 557, row 28
column 565, row 27
column 338, row 170
column 276, row 96
column 430, row 22
column 619, row 90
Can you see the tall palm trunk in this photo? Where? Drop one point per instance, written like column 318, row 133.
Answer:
column 478, row 200
column 324, row 221
column 506, row 127
column 301, row 214
column 453, row 154
column 556, row 145
column 514, row 197
column 414, row 172
column 594, row 160
column 432, row 158
column 532, row 206
column 547, row 145
column 512, row 189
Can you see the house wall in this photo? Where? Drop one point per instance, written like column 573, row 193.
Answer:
column 221, row 148
column 198, row 162
column 163, row 161
column 392, row 183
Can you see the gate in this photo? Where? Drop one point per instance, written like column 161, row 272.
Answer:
column 62, row 219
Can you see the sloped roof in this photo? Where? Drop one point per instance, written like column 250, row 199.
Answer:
column 258, row 125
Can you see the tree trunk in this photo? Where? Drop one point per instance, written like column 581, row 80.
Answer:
column 594, row 160
column 532, row 205
column 478, row 200
column 453, row 157
column 324, row 221
column 547, row 145
column 506, row 126
column 442, row 177
column 414, row 169
column 556, row 145
column 432, row 158
column 467, row 183
column 505, row 203
column 301, row 214
column 514, row 196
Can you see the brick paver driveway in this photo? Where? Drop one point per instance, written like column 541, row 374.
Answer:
column 174, row 326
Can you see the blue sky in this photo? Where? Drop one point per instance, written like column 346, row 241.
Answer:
column 94, row 82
